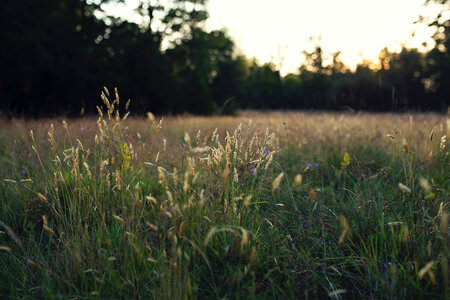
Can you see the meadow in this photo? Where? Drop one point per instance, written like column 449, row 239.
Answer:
column 266, row 205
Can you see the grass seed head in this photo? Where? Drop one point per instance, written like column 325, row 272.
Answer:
column 119, row 219
column 336, row 293
column 297, row 180
column 161, row 176
column 424, row 184
column 186, row 185
column 44, row 220
column 49, row 230
column 427, row 270
column 277, row 181
column 152, row 199
column 244, row 239
column 248, row 200
column 12, row 234
column 405, row 146
column 187, row 138
column 404, row 188
column 42, row 197
column 150, row 117
column 225, row 173
column 443, row 143
column 118, row 182
column 5, row 248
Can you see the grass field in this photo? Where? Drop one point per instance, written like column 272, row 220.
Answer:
column 262, row 205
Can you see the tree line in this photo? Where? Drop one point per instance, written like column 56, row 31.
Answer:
column 57, row 55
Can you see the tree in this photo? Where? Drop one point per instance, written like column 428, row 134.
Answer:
column 263, row 87
column 438, row 59
column 46, row 56
column 194, row 64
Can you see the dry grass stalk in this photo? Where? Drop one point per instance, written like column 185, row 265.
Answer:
column 5, row 248
column 345, row 229
column 427, row 270
column 336, row 293
column 405, row 236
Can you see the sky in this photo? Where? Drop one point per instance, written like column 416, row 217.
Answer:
column 279, row 30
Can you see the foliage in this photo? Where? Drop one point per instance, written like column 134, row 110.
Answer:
column 57, row 54
column 275, row 205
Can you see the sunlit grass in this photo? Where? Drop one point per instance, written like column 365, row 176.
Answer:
column 263, row 205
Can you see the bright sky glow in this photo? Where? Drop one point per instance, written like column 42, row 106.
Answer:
column 278, row 30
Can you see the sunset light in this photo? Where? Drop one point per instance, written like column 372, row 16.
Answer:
column 224, row 149
column 272, row 30
column 279, row 30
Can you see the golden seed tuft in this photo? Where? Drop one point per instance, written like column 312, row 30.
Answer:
column 277, row 181
column 404, row 188
column 42, row 197
column 297, row 180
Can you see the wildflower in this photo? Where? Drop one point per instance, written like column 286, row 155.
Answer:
column 126, row 155
column 345, row 160
column 32, row 162
column 431, row 195
column 266, row 153
column 23, row 172
column 407, row 166
column 308, row 164
column 284, row 123
column 13, row 153
column 253, row 169
column 105, row 168
column 317, row 165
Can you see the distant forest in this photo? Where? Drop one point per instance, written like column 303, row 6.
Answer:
column 56, row 56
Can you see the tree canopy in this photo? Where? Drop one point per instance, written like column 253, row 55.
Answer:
column 57, row 56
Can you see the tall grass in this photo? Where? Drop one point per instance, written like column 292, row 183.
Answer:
column 278, row 205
